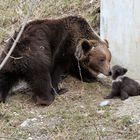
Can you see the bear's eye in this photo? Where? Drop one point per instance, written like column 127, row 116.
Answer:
column 102, row 60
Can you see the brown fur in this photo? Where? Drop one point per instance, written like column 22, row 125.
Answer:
column 48, row 49
column 97, row 58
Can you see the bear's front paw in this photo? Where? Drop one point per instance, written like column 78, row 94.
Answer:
column 40, row 101
column 108, row 96
column 1, row 98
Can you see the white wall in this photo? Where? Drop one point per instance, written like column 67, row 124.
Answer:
column 120, row 24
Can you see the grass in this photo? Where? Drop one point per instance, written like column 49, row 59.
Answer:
column 13, row 11
column 72, row 116
column 75, row 115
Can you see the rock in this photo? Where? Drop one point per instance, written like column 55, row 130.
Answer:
column 30, row 138
column 91, row 1
column 28, row 122
column 104, row 103
column 1, row 115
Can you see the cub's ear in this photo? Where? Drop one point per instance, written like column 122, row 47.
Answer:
column 125, row 70
column 106, row 41
column 86, row 46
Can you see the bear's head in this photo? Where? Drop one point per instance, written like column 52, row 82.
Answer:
column 94, row 56
column 117, row 71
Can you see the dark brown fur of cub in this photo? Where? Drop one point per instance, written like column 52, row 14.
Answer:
column 122, row 86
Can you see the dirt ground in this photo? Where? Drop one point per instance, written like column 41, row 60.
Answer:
column 76, row 115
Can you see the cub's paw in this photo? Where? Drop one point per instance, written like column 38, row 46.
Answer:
column 124, row 97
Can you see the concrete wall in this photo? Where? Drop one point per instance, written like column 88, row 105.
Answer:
column 120, row 24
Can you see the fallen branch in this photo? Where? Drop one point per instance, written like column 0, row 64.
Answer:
column 19, row 34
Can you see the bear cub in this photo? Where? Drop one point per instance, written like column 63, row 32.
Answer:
column 122, row 85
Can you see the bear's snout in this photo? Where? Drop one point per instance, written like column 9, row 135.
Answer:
column 110, row 73
column 107, row 73
column 106, row 70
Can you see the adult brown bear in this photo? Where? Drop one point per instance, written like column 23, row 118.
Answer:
column 47, row 49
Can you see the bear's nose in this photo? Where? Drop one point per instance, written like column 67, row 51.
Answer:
column 110, row 73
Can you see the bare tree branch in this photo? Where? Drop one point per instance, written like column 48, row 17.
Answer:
column 30, row 9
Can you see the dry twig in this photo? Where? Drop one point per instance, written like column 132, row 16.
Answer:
column 30, row 9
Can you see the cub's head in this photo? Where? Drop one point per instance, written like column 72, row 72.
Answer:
column 117, row 71
column 94, row 56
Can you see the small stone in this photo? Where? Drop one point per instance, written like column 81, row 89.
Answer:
column 86, row 114
column 40, row 116
column 15, row 113
column 26, row 123
column 100, row 112
column 30, row 138
column 91, row 1
column 104, row 103
column 34, row 119
column 82, row 106
column 1, row 115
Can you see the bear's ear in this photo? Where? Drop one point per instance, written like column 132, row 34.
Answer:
column 83, row 48
column 106, row 41
column 125, row 70
column 86, row 46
